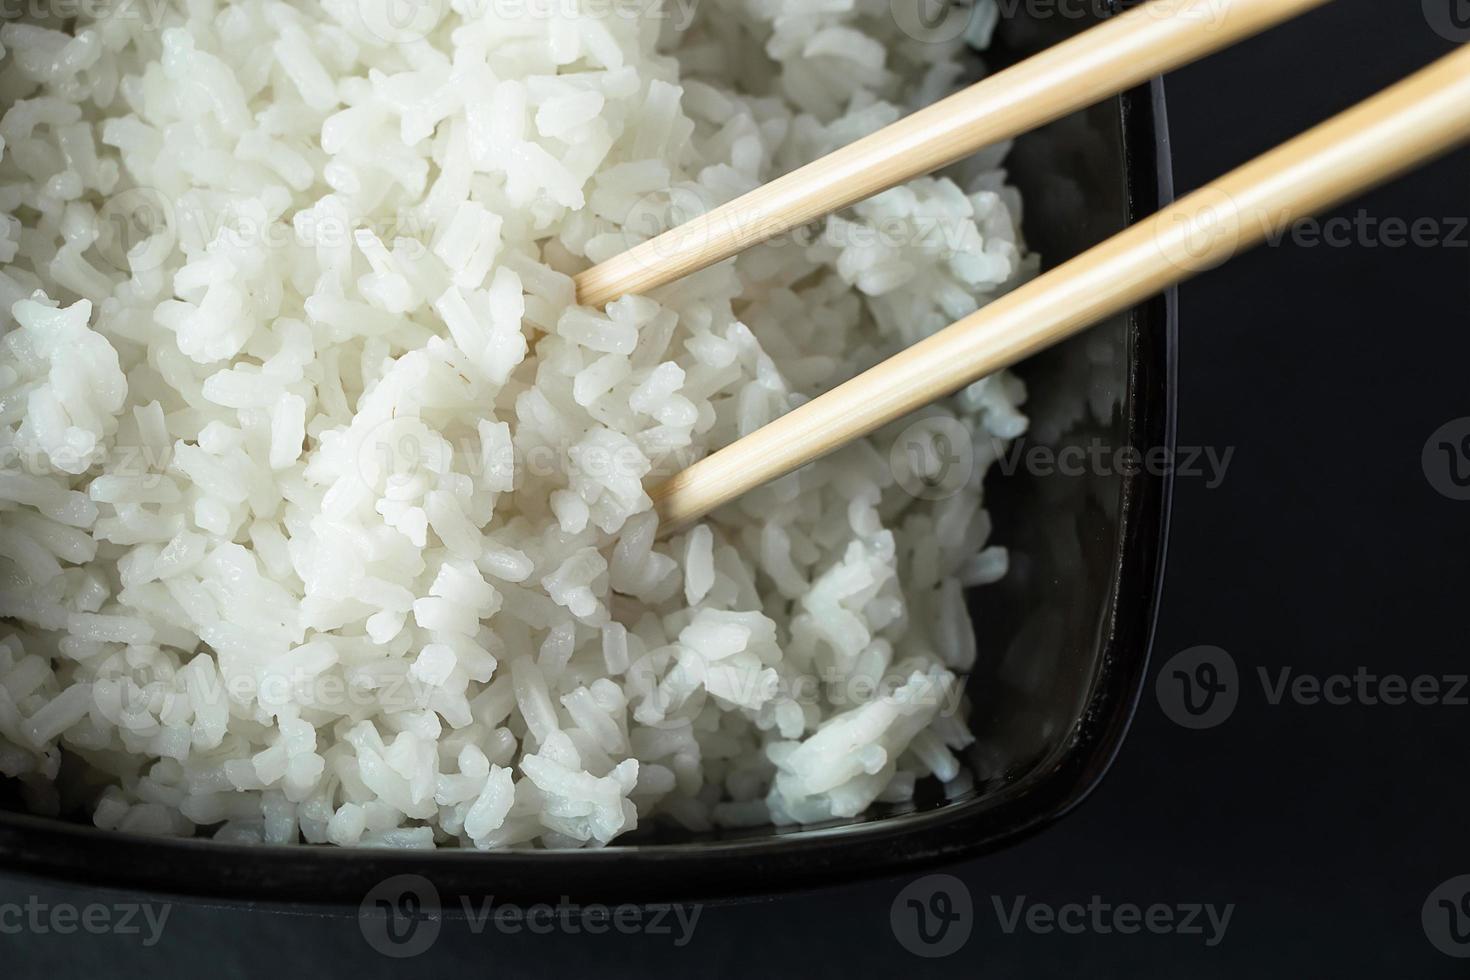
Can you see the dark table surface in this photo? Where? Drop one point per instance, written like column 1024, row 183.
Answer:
column 1323, row 830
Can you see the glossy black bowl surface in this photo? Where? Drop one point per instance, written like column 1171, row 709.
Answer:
column 1063, row 638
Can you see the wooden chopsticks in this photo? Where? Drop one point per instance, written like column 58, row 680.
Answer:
column 1124, row 51
column 1394, row 131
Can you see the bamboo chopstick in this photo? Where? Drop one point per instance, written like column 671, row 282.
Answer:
column 1394, row 131
column 1122, row 52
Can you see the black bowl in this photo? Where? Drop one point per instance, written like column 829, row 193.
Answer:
column 1064, row 638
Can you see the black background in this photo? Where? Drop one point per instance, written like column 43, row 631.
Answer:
column 1325, row 550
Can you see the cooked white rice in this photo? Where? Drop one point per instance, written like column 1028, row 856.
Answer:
column 322, row 507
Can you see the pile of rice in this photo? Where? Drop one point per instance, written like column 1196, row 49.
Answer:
column 322, row 505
